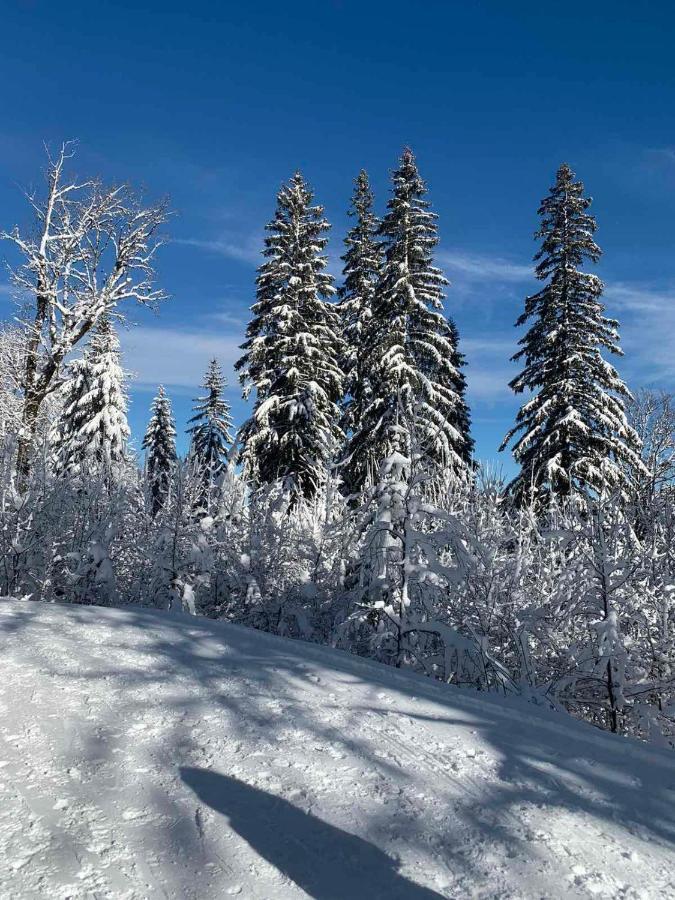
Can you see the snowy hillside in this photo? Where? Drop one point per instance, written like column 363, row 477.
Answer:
column 148, row 755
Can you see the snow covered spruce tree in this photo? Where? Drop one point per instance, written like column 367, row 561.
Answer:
column 411, row 356
column 362, row 269
column 291, row 353
column 411, row 555
column 211, row 428
column 572, row 434
column 92, row 431
column 92, row 250
column 160, row 446
column 460, row 416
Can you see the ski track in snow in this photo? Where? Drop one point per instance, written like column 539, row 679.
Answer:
column 144, row 755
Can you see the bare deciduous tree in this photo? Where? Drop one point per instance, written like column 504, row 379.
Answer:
column 652, row 415
column 92, row 250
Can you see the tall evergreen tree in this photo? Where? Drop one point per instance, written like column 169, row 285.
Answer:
column 572, row 433
column 460, row 416
column 362, row 269
column 160, row 446
column 291, row 353
column 412, row 358
column 93, row 429
column 211, row 425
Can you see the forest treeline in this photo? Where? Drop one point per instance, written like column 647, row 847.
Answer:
column 348, row 509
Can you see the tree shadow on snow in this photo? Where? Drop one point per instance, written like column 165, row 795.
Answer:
column 13, row 618
column 326, row 862
column 497, row 788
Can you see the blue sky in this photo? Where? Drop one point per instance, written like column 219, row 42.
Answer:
column 217, row 104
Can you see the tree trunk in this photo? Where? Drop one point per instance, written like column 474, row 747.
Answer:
column 613, row 714
column 26, row 440
column 32, row 397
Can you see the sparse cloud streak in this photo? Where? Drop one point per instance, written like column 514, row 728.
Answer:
column 482, row 267
column 246, row 250
column 176, row 357
column 638, row 298
column 647, row 319
column 661, row 154
column 488, row 370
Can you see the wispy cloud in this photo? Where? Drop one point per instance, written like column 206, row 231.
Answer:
column 176, row 357
column 647, row 317
column 483, row 267
column 647, row 328
column 499, row 345
column 248, row 250
column 639, row 298
column 489, row 384
column 661, row 155
column 245, row 250
column 488, row 370
column 236, row 321
column 458, row 264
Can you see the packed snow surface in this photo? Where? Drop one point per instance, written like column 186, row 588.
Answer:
column 150, row 755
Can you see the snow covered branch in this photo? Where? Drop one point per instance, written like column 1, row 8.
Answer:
column 91, row 251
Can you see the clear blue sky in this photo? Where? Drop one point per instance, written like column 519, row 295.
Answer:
column 217, row 104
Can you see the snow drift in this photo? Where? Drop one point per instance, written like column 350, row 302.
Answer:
column 150, row 755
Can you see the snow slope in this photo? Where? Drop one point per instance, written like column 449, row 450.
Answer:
column 149, row 755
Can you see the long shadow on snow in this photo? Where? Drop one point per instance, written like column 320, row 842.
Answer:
column 14, row 618
column 326, row 862
column 599, row 777
column 544, row 758
column 535, row 765
column 538, row 773
column 608, row 778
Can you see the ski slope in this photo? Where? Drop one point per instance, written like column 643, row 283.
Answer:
column 150, row 755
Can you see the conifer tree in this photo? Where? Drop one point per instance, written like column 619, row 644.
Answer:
column 211, row 425
column 291, row 353
column 93, row 430
column 411, row 358
column 460, row 416
column 572, row 434
column 362, row 268
column 160, row 446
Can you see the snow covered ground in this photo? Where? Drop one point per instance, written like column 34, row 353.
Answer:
column 149, row 755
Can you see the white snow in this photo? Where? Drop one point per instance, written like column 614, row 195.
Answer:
column 145, row 755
